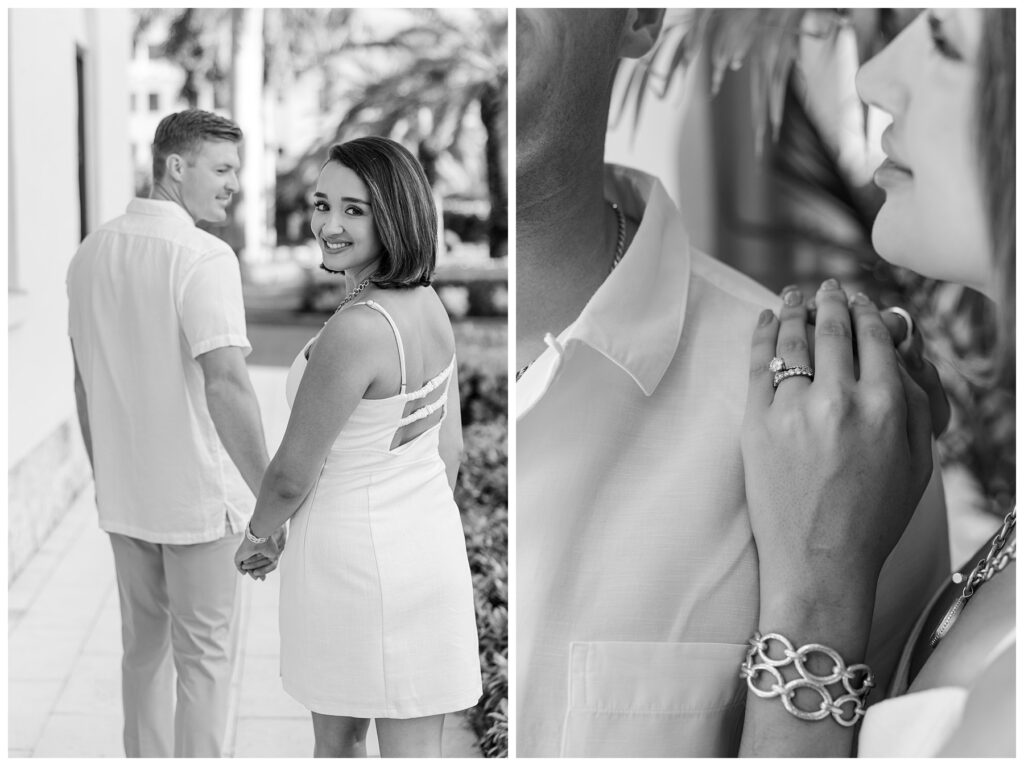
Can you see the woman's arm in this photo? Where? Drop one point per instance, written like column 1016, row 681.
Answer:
column 834, row 469
column 348, row 357
column 450, row 446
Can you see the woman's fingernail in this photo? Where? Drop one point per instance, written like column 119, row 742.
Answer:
column 765, row 317
column 792, row 297
column 860, row 299
column 829, row 284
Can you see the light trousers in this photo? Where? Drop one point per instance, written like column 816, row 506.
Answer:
column 180, row 610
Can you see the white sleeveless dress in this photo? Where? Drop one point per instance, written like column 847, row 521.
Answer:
column 918, row 724
column 376, row 610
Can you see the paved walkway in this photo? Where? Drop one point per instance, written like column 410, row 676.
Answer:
column 64, row 647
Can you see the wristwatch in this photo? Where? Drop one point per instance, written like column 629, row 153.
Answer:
column 251, row 537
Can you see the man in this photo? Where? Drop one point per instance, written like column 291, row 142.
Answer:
column 637, row 584
column 173, row 431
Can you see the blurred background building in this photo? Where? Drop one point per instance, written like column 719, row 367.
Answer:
column 69, row 169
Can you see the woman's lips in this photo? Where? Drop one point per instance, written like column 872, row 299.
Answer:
column 334, row 247
column 890, row 174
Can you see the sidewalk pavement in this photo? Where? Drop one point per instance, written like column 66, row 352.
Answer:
column 64, row 646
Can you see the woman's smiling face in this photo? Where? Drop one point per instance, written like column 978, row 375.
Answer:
column 342, row 222
column 933, row 220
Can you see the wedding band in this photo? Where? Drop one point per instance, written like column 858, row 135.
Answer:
column 792, row 372
column 903, row 314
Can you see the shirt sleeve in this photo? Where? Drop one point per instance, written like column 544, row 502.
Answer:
column 210, row 304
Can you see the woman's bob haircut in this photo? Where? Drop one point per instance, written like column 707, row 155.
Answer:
column 402, row 205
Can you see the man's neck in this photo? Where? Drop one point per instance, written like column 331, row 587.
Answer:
column 565, row 238
column 169, row 193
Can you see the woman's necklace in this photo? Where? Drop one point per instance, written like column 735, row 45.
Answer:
column 999, row 555
column 348, row 298
column 344, row 301
column 620, row 249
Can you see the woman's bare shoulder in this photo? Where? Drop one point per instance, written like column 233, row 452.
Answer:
column 357, row 330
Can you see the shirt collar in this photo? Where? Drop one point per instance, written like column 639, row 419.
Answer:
column 159, row 207
column 635, row 318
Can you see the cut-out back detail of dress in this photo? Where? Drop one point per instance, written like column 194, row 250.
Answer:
column 404, row 417
column 425, row 407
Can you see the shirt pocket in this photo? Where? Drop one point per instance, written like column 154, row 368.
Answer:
column 647, row 699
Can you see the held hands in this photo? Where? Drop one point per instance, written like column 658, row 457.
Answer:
column 258, row 561
column 835, row 466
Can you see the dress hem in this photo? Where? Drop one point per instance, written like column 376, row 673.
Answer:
column 453, row 704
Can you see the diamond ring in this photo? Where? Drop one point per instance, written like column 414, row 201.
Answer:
column 781, row 371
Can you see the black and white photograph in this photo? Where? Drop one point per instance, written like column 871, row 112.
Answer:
column 258, row 373
column 765, row 368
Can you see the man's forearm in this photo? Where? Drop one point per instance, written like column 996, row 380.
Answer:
column 236, row 415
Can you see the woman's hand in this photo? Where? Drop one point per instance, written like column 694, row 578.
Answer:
column 258, row 560
column 912, row 353
column 834, row 467
column 921, row 370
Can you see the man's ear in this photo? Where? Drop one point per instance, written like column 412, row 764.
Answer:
column 641, row 30
column 174, row 167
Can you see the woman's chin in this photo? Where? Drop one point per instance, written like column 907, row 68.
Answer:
column 890, row 242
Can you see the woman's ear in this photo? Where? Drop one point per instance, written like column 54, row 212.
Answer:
column 641, row 30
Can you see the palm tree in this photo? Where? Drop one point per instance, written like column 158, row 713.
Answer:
column 440, row 67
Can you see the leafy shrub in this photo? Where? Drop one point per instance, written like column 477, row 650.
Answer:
column 482, row 497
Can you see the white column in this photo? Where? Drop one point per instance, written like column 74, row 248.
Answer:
column 247, row 89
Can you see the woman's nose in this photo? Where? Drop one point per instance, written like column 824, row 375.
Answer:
column 333, row 224
column 878, row 79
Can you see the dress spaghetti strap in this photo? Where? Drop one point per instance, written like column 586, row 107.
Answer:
column 398, row 336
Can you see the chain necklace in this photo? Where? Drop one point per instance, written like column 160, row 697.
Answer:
column 999, row 555
column 348, row 298
column 620, row 250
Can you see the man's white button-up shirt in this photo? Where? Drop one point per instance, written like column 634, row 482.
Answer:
column 148, row 293
column 636, row 578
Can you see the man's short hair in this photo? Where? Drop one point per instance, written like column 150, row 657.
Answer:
column 403, row 208
column 184, row 132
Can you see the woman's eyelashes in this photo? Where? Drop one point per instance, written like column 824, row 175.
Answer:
column 322, row 207
column 939, row 40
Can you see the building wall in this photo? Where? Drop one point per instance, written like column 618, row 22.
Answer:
column 46, row 464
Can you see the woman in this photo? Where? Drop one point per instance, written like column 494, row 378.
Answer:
column 377, row 617
column 837, row 459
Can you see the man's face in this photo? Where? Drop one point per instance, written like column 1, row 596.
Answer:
column 565, row 59
column 209, row 179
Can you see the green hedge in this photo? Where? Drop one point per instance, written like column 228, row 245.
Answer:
column 482, row 497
